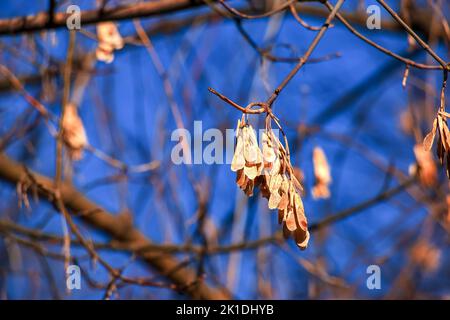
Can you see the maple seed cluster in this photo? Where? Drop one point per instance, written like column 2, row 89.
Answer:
column 74, row 135
column 270, row 170
column 443, row 144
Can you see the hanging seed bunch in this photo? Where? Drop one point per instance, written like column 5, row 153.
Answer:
column 270, row 170
column 322, row 174
column 109, row 39
column 440, row 128
column 74, row 135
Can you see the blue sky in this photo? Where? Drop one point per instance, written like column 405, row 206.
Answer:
column 127, row 115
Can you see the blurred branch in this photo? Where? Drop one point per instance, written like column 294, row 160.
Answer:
column 407, row 61
column 276, row 238
column 362, row 206
column 122, row 231
column 41, row 20
column 420, row 18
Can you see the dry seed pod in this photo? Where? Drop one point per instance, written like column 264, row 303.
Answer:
column 321, row 173
column 109, row 39
column 74, row 135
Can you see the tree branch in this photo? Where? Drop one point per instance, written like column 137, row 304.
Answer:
column 41, row 20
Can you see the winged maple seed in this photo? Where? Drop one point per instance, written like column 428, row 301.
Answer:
column 321, row 173
column 426, row 168
column 74, row 135
column 270, row 170
column 109, row 39
column 440, row 128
